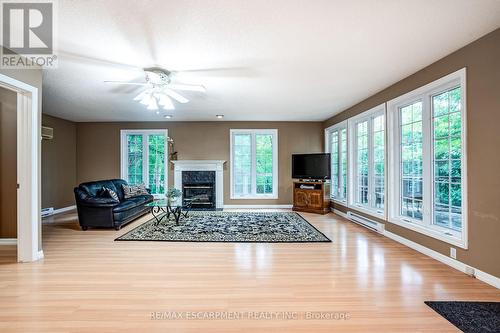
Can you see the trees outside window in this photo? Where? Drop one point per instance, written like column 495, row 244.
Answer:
column 144, row 159
column 428, row 183
column 254, row 164
column 367, row 161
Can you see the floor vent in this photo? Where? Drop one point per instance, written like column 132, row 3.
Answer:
column 366, row 222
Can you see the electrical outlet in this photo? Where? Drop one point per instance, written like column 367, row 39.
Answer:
column 453, row 252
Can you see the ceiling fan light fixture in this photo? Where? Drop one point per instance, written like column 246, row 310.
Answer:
column 159, row 91
column 146, row 99
column 152, row 104
column 166, row 102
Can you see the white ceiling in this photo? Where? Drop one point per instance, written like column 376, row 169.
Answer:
column 284, row 59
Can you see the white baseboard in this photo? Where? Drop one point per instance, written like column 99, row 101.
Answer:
column 258, row 206
column 8, row 241
column 458, row 265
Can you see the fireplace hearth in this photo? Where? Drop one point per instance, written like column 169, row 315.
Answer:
column 198, row 187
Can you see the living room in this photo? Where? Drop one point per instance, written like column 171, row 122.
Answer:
column 319, row 166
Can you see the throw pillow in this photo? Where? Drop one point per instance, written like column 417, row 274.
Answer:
column 130, row 191
column 107, row 192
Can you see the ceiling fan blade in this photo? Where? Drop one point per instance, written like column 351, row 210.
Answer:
column 187, row 87
column 141, row 95
column 218, row 72
column 127, row 83
column 86, row 59
column 166, row 102
column 178, row 97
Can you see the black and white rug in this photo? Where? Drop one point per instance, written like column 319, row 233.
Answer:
column 258, row 227
column 470, row 317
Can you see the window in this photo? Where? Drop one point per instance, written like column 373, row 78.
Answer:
column 336, row 145
column 254, row 164
column 427, row 169
column 411, row 169
column 144, row 158
column 367, row 162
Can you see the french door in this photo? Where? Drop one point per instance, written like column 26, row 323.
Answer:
column 144, row 158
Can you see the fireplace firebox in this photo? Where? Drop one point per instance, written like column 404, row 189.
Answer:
column 198, row 187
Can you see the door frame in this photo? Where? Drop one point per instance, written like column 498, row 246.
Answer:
column 123, row 154
column 28, row 169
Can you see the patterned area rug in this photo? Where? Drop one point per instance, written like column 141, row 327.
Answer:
column 276, row 227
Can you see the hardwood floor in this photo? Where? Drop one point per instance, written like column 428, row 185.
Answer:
column 89, row 283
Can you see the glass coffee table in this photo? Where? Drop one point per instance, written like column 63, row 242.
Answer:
column 162, row 209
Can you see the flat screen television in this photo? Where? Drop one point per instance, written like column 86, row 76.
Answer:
column 311, row 166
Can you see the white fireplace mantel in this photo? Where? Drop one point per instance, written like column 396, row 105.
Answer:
column 202, row 165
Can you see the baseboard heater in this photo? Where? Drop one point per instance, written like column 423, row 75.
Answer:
column 366, row 222
column 47, row 211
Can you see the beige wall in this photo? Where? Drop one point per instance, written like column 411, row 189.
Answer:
column 59, row 163
column 8, row 164
column 98, row 153
column 482, row 59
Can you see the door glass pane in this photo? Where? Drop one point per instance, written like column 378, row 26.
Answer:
column 135, row 159
column 156, row 150
column 343, row 163
column 411, row 161
column 242, row 164
column 264, row 163
column 378, row 161
column 447, row 164
column 362, row 163
column 334, row 154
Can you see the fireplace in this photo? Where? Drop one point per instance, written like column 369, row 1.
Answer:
column 198, row 187
column 194, row 172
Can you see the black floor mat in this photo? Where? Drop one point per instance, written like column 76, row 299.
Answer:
column 470, row 317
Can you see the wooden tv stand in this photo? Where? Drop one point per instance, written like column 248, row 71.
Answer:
column 313, row 197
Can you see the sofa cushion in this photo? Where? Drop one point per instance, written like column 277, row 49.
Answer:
column 130, row 214
column 130, row 191
column 126, row 205
column 109, row 193
column 119, row 188
column 132, row 203
column 94, row 188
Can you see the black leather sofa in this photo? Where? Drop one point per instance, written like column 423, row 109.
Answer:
column 95, row 210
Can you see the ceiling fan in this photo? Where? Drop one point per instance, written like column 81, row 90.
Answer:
column 160, row 90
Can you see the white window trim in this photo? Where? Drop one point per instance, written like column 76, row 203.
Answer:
column 339, row 127
column 123, row 154
column 253, row 132
column 352, row 167
column 425, row 93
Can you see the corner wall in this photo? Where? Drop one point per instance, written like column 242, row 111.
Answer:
column 482, row 60
column 59, row 164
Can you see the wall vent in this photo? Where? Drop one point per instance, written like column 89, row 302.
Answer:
column 47, row 133
column 366, row 222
